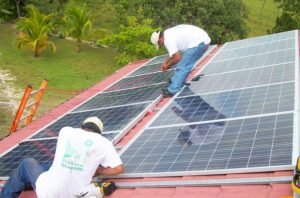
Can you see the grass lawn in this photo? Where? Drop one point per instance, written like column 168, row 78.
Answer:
column 66, row 71
column 262, row 16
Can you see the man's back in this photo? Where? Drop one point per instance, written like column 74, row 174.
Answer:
column 183, row 37
column 78, row 155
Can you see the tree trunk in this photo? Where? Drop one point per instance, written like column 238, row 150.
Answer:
column 18, row 8
column 78, row 46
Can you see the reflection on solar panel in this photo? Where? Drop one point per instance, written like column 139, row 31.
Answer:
column 143, row 80
column 223, row 105
column 238, row 117
column 241, row 79
column 242, row 143
column 114, row 119
column 41, row 150
column 116, row 98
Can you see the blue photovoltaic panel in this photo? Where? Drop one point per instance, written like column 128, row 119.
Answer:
column 280, row 45
column 242, row 79
column 247, row 62
column 243, row 143
column 147, row 69
column 113, row 119
column 41, row 150
column 259, row 40
column 158, row 60
column 123, row 97
column 143, row 80
column 224, row 105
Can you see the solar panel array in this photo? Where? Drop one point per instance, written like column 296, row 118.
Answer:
column 119, row 106
column 239, row 117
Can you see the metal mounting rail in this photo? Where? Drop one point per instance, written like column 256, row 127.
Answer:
column 212, row 182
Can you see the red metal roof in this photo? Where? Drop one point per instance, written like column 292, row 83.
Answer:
column 220, row 191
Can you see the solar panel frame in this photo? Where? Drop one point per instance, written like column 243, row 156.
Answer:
column 295, row 142
column 296, row 135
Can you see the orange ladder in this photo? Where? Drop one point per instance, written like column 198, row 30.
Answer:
column 31, row 107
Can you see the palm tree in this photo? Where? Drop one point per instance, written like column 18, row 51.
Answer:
column 34, row 31
column 78, row 24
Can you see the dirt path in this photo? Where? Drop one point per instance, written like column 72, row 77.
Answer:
column 9, row 100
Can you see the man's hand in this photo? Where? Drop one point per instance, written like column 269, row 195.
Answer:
column 110, row 171
column 165, row 67
column 175, row 58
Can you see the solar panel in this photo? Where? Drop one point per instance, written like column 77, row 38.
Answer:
column 239, row 117
column 41, row 150
column 279, row 45
column 242, row 79
column 116, row 98
column 143, row 80
column 147, row 69
column 157, row 59
column 114, row 119
column 230, row 104
column 247, row 62
column 259, row 40
column 243, row 143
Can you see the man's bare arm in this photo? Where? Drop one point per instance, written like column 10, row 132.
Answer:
column 175, row 58
column 110, row 171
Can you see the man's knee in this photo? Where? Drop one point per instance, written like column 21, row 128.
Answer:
column 29, row 162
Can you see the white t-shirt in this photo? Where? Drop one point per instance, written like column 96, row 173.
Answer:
column 78, row 155
column 183, row 37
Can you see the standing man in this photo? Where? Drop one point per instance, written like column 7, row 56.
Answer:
column 79, row 153
column 191, row 39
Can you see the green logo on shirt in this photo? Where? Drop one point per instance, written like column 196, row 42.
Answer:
column 76, row 154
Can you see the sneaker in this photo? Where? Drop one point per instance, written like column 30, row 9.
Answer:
column 167, row 94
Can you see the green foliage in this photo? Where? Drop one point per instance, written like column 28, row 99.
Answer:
column 34, row 31
column 67, row 71
column 132, row 41
column 262, row 16
column 78, row 23
column 223, row 19
column 5, row 11
column 290, row 17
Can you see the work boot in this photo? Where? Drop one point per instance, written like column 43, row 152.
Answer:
column 167, row 94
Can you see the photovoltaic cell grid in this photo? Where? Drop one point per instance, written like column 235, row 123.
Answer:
column 230, row 119
column 230, row 104
column 256, row 49
column 242, row 79
column 244, row 54
column 123, row 97
column 243, row 143
column 114, row 119
column 143, row 80
column 147, row 69
column 259, row 40
column 157, row 60
column 41, row 150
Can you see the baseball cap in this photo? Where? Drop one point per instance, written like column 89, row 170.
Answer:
column 95, row 121
column 154, row 38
